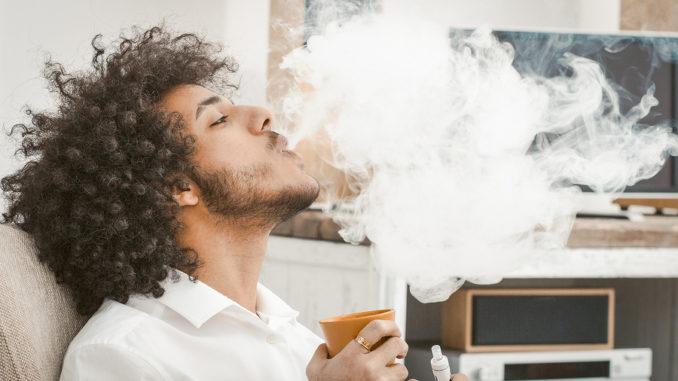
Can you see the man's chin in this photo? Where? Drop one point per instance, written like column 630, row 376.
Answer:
column 299, row 199
column 232, row 197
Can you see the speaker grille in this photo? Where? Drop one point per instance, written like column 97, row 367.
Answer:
column 539, row 320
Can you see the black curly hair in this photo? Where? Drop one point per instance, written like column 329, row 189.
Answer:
column 96, row 191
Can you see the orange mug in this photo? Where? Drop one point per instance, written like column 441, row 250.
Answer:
column 340, row 330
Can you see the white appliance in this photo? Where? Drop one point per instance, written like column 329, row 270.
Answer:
column 594, row 365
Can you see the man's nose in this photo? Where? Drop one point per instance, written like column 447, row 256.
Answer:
column 259, row 119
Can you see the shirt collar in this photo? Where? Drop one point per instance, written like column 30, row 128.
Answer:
column 197, row 302
column 273, row 310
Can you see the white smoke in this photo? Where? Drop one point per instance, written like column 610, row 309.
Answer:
column 444, row 142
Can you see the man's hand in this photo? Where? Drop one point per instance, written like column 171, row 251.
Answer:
column 357, row 363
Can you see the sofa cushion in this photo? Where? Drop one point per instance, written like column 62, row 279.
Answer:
column 37, row 316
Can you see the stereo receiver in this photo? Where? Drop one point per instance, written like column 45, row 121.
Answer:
column 508, row 320
column 614, row 364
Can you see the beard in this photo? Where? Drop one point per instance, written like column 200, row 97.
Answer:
column 239, row 195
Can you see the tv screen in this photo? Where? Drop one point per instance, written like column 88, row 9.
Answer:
column 632, row 64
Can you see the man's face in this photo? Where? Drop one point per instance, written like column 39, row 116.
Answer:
column 243, row 170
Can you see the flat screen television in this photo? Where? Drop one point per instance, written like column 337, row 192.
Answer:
column 632, row 63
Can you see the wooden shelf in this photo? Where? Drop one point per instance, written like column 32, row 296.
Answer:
column 651, row 232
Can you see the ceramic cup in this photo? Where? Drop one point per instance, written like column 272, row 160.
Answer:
column 340, row 330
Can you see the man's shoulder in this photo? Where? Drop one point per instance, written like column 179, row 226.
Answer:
column 112, row 325
column 108, row 347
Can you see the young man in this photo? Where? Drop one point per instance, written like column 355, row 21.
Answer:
column 143, row 180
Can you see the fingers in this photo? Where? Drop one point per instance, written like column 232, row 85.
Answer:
column 375, row 331
column 394, row 347
column 318, row 360
column 396, row 372
column 459, row 377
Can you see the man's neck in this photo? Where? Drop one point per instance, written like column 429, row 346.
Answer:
column 231, row 256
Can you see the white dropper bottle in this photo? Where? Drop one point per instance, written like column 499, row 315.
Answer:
column 440, row 365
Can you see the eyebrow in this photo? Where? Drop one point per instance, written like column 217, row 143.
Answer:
column 209, row 101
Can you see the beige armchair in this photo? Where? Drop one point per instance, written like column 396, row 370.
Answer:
column 37, row 316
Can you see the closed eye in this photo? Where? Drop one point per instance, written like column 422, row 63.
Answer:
column 220, row 120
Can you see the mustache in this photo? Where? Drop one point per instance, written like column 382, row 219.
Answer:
column 276, row 142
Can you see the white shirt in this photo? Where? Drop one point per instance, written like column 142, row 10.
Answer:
column 192, row 332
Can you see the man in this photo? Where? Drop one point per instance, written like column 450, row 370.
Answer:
column 144, row 180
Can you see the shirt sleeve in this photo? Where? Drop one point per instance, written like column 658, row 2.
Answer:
column 104, row 362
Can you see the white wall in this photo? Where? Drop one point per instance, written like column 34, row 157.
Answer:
column 589, row 15
column 30, row 29
column 247, row 34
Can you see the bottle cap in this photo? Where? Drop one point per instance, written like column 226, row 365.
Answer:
column 437, row 352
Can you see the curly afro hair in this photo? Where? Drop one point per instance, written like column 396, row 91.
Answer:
column 96, row 191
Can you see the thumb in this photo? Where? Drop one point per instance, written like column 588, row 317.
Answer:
column 321, row 352
column 317, row 360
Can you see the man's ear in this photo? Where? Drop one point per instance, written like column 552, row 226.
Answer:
column 185, row 193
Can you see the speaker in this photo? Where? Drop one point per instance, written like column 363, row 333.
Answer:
column 506, row 320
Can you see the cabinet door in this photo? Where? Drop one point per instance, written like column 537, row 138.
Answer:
column 322, row 279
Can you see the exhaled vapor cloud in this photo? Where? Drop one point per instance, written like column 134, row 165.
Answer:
column 444, row 142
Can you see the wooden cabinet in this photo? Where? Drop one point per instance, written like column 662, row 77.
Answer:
column 322, row 277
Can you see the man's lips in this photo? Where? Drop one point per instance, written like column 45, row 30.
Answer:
column 283, row 143
column 293, row 153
